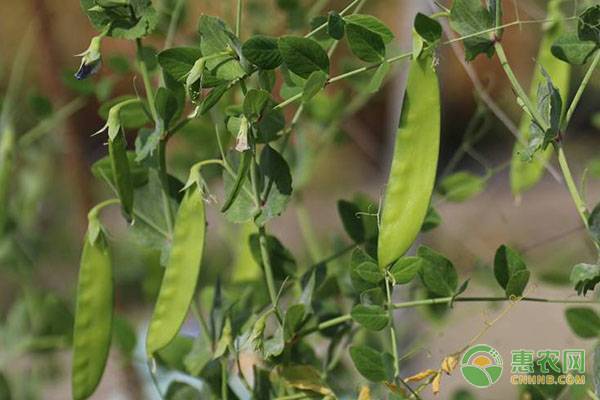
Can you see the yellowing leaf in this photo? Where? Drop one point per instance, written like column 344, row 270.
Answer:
column 365, row 393
column 449, row 363
column 421, row 375
column 436, row 383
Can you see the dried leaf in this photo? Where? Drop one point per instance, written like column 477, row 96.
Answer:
column 421, row 375
column 365, row 393
column 436, row 383
column 449, row 363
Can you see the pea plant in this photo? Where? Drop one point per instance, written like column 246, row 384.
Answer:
column 305, row 328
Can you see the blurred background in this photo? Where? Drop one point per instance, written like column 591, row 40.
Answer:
column 348, row 136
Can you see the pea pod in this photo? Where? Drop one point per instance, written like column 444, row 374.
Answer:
column 525, row 174
column 179, row 282
column 119, row 162
column 93, row 315
column 412, row 174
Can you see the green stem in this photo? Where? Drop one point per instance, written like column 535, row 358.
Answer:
column 173, row 23
column 580, row 91
column 238, row 19
column 532, row 110
column 93, row 213
column 444, row 300
column 388, row 292
column 146, row 79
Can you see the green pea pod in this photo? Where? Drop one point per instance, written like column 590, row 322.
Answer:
column 117, row 150
column 179, row 282
column 7, row 150
column 412, row 174
column 239, row 181
column 93, row 315
column 526, row 174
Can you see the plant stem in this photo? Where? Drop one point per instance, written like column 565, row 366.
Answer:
column 238, row 19
column 146, row 79
column 531, row 108
column 580, row 91
column 93, row 213
column 173, row 23
column 444, row 300
column 388, row 293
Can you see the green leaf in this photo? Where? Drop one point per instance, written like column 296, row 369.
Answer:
column 584, row 277
column 124, row 20
column 199, row 355
column 570, row 49
column 372, row 364
column 371, row 317
column 461, row 186
column 352, row 221
column 427, row 28
column 263, row 52
column 278, row 183
column 510, row 271
column 240, row 179
column 102, row 169
column 588, row 26
column 468, row 17
column 213, row 98
column 369, row 272
column 372, row 24
column 178, row 61
column 282, row 260
column 335, row 25
column 357, row 270
column 364, row 43
column 594, row 223
column 378, row 77
column 313, row 85
column 584, row 321
column 181, row 391
column 172, row 356
column 432, row 220
column 303, row 56
column 437, row 272
column 167, row 106
column 255, row 103
column 293, row 321
column 124, row 336
column 218, row 38
column 406, row 268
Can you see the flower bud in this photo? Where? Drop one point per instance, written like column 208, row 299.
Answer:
column 91, row 59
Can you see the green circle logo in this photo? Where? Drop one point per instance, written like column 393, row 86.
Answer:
column 481, row 366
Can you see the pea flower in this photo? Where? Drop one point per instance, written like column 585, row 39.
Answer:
column 91, row 59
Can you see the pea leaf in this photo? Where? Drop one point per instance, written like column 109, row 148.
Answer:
column 371, row 317
column 372, row 24
column 364, row 43
column 313, row 85
column 351, row 219
column 372, row 364
column 369, row 272
column 262, row 51
column 303, row 56
column 584, row 277
column 181, row 391
column 335, row 25
column 357, row 270
column 278, row 184
column 217, row 38
column 178, row 61
column 588, row 26
column 570, row 49
column 432, row 220
column 378, row 77
column 406, row 268
column 282, row 260
column 510, row 271
column 255, row 103
column 437, row 272
column 124, row 20
column 594, row 223
column 584, row 321
column 427, row 28
column 468, row 17
column 461, row 186
column 294, row 318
